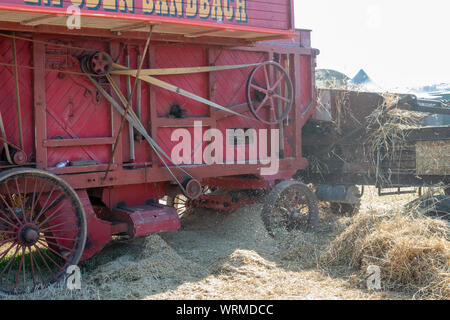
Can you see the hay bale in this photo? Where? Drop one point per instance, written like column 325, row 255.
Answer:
column 413, row 253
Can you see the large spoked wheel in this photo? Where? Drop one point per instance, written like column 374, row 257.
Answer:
column 42, row 229
column 270, row 93
column 290, row 206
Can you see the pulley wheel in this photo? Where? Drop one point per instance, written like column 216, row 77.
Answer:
column 270, row 94
column 193, row 188
column 99, row 63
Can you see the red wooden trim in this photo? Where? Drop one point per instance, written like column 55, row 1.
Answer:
column 278, row 49
column 116, row 118
column 292, row 17
column 184, row 122
column 52, row 143
column 298, row 94
column 126, row 36
column 83, row 169
column 153, row 111
column 239, row 109
column 159, row 174
column 234, row 183
column 40, row 122
column 211, row 86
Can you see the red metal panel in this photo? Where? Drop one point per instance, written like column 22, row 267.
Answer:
column 132, row 195
column 98, row 231
column 148, row 219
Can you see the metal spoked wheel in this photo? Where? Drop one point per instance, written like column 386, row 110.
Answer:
column 270, row 93
column 181, row 203
column 290, row 206
column 42, row 229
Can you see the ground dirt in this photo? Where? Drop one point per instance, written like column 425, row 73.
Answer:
column 226, row 256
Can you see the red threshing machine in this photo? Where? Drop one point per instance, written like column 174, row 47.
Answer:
column 88, row 118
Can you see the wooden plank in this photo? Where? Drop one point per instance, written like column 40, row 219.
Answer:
column 174, row 71
column 202, row 33
column 38, row 20
column 53, row 143
column 295, row 62
column 135, row 26
column 153, row 112
column 183, row 122
column 93, row 168
column 212, row 85
column 131, row 26
column 116, row 117
column 40, row 121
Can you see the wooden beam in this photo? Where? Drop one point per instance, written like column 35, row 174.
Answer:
column 40, row 107
column 51, row 143
column 202, row 33
column 38, row 20
column 172, row 71
column 132, row 26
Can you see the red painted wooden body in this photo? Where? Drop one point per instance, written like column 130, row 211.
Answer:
column 223, row 18
column 65, row 119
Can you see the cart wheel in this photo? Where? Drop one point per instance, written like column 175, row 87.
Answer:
column 180, row 202
column 270, row 93
column 291, row 205
column 345, row 208
column 42, row 229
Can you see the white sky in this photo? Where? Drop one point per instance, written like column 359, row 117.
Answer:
column 398, row 42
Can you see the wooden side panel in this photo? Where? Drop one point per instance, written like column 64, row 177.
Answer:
column 181, row 57
column 8, row 98
column 264, row 14
column 73, row 110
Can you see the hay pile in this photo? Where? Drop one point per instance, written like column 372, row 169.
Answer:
column 382, row 145
column 433, row 157
column 386, row 136
column 231, row 256
column 413, row 253
column 128, row 270
column 150, row 265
